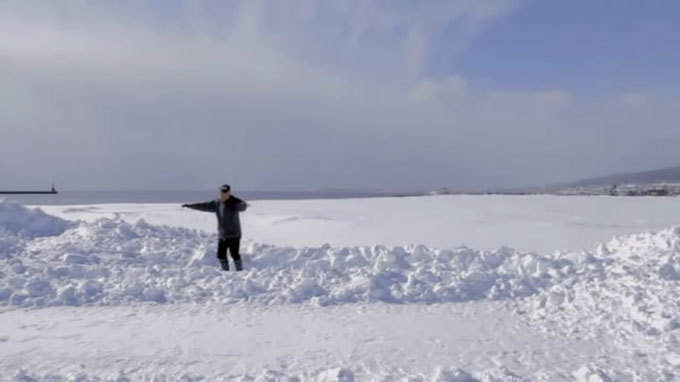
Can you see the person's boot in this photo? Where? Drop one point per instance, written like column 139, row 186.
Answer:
column 225, row 265
column 239, row 264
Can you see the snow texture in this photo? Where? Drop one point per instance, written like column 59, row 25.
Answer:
column 111, row 262
column 628, row 286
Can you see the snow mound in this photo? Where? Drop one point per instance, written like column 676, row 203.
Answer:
column 632, row 280
column 629, row 286
column 111, row 262
column 20, row 220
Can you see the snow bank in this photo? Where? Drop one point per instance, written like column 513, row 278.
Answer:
column 630, row 287
column 112, row 262
column 16, row 219
column 52, row 262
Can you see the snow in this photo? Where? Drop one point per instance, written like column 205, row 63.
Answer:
column 112, row 297
column 541, row 223
column 237, row 342
column 112, row 262
column 18, row 220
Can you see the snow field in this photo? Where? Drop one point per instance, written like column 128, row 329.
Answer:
column 625, row 290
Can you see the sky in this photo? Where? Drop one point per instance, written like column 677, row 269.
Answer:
column 399, row 95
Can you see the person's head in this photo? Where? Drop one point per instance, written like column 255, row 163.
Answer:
column 225, row 192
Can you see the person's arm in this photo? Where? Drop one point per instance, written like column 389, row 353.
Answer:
column 210, row 206
column 241, row 205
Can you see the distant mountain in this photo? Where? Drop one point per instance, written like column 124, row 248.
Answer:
column 666, row 175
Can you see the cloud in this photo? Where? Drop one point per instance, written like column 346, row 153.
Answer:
column 271, row 96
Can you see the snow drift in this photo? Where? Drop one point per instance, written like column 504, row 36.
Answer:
column 49, row 261
column 111, row 262
column 18, row 220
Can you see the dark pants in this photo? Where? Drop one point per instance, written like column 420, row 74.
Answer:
column 233, row 245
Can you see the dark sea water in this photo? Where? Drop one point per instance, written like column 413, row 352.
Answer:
column 99, row 197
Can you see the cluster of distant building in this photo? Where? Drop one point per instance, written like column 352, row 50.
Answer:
column 665, row 189
column 594, row 188
column 650, row 190
column 655, row 189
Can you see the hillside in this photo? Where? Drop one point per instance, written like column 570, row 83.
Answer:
column 634, row 182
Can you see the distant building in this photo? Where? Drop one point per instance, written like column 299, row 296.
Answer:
column 614, row 190
column 657, row 192
column 443, row 191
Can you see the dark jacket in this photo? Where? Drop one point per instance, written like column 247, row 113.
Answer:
column 228, row 220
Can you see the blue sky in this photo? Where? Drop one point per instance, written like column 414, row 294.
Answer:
column 308, row 94
column 588, row 47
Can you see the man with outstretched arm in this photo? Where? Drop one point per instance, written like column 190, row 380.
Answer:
column 227, row 208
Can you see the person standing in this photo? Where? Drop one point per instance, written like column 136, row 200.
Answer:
column 227, row 208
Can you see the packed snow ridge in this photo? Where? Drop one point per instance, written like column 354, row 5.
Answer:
column 110, row 262
column 50, row 261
